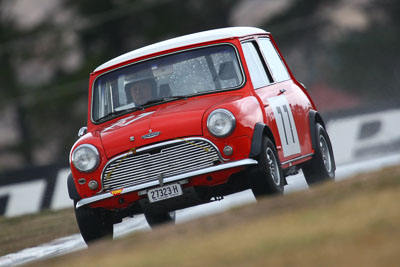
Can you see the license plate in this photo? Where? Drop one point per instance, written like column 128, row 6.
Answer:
column 164, row 192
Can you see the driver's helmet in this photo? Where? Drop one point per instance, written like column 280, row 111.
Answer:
column 140, row 76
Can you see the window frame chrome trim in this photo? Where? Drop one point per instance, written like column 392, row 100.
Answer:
column 268, row 63
column 255, row 39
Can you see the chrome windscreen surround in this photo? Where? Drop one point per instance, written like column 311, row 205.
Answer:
column 244, row 81
column 164, row 159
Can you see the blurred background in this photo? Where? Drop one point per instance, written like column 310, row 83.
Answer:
column 346, row 52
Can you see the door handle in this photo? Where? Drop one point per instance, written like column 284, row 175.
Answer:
column 282, row 91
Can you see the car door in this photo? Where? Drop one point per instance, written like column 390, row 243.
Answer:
column 292, row 102
column 276, row 95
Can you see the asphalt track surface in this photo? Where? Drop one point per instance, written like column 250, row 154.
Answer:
column 138, row 223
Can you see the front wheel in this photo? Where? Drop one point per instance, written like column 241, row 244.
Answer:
column 92, row 224
column 156, row 219
column 322, row 166
column 268, row 178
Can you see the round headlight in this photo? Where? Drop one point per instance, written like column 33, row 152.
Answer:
column 85, row 158
column 221, row 122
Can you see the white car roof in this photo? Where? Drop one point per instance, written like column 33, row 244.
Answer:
column 185, row 40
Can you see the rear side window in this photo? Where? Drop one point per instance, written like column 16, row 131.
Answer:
column 256, row 68
column 278, row 69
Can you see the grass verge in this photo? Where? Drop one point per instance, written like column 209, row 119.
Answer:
column 349, row 223
column 21, row 232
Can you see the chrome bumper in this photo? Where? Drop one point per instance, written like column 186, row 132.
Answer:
column 220, row 167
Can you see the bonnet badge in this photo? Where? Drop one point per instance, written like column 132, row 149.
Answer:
column 151, row 134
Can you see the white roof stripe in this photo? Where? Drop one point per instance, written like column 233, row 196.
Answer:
column 185, row 40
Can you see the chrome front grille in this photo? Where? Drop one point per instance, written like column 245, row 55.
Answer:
column 166, row 159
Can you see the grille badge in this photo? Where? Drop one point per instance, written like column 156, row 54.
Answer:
column 132, row 138
column 161, row 179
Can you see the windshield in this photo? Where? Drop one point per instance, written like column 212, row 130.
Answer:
column 166, row 78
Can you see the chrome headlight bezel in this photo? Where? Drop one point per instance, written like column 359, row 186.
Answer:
column 91, row 151
column 228, row 119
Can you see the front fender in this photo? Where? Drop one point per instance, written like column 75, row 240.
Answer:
column 260, row 129
column 314, row 117
column 72, row 192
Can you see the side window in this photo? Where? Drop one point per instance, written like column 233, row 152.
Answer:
column 256, row 68
column 274, row 61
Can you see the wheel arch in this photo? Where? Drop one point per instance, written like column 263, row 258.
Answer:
column 72, row 192
column 260, row 130
column 315, row 118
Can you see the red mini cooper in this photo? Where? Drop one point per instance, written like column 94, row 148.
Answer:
column 189, row 120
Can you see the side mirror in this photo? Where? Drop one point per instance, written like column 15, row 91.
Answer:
column 82, row 131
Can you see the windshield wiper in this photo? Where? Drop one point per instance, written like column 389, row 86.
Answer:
column 119, row 112
column 165, row 99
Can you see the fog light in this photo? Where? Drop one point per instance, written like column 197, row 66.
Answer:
column 228, row 150
column 93, row 185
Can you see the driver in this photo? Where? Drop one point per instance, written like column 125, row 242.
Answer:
column 141, row 92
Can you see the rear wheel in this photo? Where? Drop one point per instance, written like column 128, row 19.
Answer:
column 93, row 225
column 156, row 219
column 322, row 166
column 268, row 178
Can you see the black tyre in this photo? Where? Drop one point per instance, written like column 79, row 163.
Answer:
column 322, row 166
column 156, row 219
column 92, row 224
column 268, row 178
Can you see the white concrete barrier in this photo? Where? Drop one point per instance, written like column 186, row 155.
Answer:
column 30, row 191
column 365, row 136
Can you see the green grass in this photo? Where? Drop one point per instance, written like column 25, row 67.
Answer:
column 21, row 232
column 349, row 223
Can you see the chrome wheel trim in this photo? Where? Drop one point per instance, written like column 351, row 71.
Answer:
column 326, row 156
column 273, row 167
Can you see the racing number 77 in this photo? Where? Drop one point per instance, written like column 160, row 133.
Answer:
column 283, row 122
column 286, row 125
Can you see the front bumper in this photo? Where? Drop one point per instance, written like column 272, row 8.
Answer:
column 175, row 178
